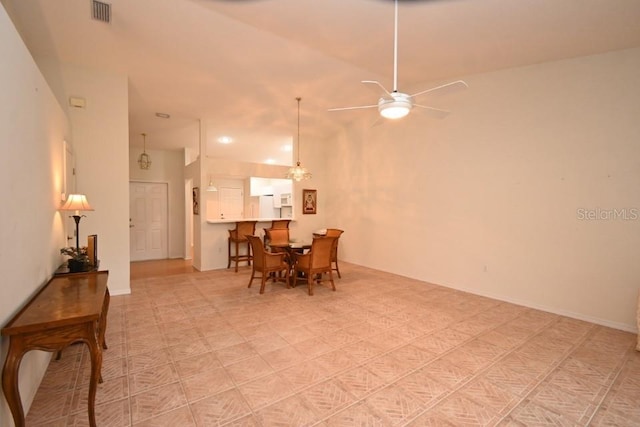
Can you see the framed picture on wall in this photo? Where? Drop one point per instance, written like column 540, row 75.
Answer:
column 92, row 249
column 309, row 201
column 196, row 200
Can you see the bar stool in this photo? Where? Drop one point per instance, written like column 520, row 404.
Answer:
column 276, row 224
column 277, row 236
column 237, row 237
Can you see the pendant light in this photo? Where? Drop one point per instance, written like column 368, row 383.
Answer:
column 144, row 160
column 211, row 187
column 298, row 172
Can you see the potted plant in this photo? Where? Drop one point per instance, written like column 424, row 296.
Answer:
column 78, row 258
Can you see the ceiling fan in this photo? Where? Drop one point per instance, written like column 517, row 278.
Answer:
column 394, row 104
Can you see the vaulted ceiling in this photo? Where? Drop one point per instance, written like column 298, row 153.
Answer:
column 238, row 65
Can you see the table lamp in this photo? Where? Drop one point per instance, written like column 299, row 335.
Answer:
column 77, row 203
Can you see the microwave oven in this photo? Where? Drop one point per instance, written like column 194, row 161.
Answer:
column 285, row 199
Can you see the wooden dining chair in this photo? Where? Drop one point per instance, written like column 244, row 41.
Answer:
column 335, row 232
column 237, row 239
column 315, row 263
column 268, row 264
column 276, row 236
column 280, row 223
column 276, row 224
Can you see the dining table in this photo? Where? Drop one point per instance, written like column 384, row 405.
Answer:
column 291, row 249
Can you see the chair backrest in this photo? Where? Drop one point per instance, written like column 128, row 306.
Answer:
column 277, row 236
column 334, row 232
column 280, row 223
column 321, row 252
column 258, row 251
column 243, row 228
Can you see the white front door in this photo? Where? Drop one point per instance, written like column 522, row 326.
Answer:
column 148, row 220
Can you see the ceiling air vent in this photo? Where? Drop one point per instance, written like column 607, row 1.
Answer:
column 101, row 11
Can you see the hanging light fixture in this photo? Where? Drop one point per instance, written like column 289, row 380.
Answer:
column 144, row 160
column 298, row 172
column 211, row 187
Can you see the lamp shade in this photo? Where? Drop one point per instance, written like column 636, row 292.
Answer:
column 76, row 202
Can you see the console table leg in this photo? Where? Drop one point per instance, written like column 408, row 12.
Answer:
column 95, row 351
column 103, row 320
column 10, row 382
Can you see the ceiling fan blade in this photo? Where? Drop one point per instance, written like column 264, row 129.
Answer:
column 450, row 87
column 435, row 112
column 360, row 107
column 384, row 90
column 379, row 121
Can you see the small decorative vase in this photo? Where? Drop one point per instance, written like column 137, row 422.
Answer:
column 75, row 265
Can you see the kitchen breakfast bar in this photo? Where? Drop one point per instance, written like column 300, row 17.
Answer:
column 214, row 241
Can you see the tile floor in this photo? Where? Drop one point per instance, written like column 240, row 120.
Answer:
column 200, row 349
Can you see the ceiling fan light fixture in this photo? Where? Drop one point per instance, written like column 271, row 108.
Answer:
column 393, row 104
column 394, row 112
column 396, row 108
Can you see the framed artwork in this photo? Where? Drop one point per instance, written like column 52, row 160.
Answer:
column 92, row 249
column 196, row 200
column 309, row 201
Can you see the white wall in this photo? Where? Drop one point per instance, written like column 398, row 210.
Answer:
column 487, row 200
column 32, row 130
column 101, row 144
column 166, row 167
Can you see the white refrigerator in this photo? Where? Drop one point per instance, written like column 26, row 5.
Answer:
column 266, row 208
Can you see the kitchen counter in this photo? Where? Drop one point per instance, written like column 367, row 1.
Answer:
column 233, row 221
column 214, row 241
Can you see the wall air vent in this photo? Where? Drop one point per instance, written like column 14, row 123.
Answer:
column 101, row 11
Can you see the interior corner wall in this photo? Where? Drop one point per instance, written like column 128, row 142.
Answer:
column 192, row 173
column 33, row 128
column 166, row 167
column 527, row 192
column 100, row 138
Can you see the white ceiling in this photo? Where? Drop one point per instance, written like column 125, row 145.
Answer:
column 238, row 65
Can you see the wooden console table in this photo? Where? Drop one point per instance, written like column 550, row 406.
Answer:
column 64, row 269
column 68, row 309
